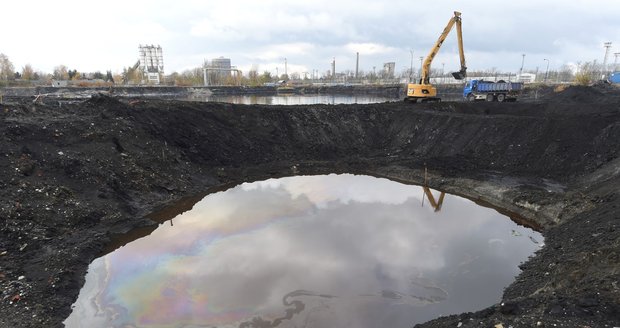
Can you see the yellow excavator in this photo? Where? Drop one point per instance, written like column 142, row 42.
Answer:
column 424, row 91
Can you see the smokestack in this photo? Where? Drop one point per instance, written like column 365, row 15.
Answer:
column 357, row 65
column 334, row 69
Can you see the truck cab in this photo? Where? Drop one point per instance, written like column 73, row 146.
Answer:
column 470, row 86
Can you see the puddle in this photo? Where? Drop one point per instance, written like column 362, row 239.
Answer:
column 309, row 251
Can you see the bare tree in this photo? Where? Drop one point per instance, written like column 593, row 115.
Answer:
column 190, row 77
column 253, row 77
column 40, row 75
column 7, row 70
column 265, row 77
column 587, row 73
column 131, row 75
column 234, row 79
column 565, row 74
column 28, row 72
column 61, row 72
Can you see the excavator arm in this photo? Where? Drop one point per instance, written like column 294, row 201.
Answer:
column 426, row 66
column 462, row 73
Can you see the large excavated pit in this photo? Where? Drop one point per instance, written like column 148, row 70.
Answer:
column 77, row 176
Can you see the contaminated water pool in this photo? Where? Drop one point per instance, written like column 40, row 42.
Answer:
column 309, row 251
column 293, row 99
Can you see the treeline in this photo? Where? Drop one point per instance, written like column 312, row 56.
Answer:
column 28, row 75
column 585, row 73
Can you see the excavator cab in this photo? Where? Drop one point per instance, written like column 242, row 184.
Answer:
column 425, row 92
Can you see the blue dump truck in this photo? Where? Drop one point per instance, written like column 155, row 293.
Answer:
column 492, row 91
column 614, row 78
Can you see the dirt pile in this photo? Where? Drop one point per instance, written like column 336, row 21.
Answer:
column 604, row 93
column 77, row 175
column 577, row 93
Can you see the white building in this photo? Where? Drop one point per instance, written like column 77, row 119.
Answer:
column 526, row 77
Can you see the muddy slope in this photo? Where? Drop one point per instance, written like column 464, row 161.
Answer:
column 76, row 176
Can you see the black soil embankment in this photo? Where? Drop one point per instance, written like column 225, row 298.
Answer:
column 74, row 177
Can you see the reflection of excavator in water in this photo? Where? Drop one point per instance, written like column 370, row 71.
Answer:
column 436, row 204
column 424, row 91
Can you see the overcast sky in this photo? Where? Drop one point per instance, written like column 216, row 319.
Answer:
column 104, row 35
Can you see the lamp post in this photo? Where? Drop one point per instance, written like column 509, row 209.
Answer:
column 607, row 46
column 522, row 62
column 547, row 70
column 421, row 68
column 411, row 69
column 443, row 65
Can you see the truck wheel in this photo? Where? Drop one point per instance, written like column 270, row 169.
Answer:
column 489, row 97
column 501, row 97
column 471, row 97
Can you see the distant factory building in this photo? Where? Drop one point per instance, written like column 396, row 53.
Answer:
column 526, row 77
column 151, row 60
column 218, row 71
column 221, row 63
column 388, row 70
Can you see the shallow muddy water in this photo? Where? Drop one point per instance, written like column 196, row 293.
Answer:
column 308, row 251
column 297, row 99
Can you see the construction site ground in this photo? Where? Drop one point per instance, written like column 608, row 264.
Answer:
column 76, row 176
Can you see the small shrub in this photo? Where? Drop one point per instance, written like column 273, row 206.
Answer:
column 583, row 78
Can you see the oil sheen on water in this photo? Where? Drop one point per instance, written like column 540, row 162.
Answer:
column 308, row 251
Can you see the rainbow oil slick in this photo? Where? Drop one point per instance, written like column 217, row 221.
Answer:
column 308, row 251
